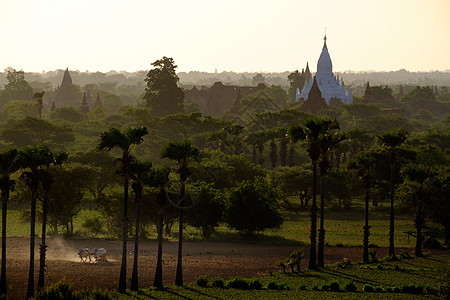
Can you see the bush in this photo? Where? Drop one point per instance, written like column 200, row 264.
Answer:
column 302, row 287
column 368, row 288
column 404, row 254
column 315, row 287
column 412, row 289
column 277, row 286
column 218, row 283
column 334, row 286
column 378, row 289
column 431, row 243
column 345, row 263
column 325, row 287
column 253, row 207
column 255, row 284
column 202, row 281
column 373, row 255
column 60, row 290
column 94, row 225
column 350, row 286
column 238, row 283
column 397, row 290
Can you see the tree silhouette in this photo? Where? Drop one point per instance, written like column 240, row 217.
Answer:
column 181, row 152
column 46, row 179
column 8, row 165
column 159, row 179
column 392, row 140
column 328, row 142
column 31, row 160
column 364, row 163
column 138, row 173
column 310, row 132
column 125, row 141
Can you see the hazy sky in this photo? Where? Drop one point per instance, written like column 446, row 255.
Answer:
column 232, row 35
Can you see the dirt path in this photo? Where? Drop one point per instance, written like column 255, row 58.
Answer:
column 213, row 259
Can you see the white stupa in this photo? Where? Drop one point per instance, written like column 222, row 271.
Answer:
column 330, row 85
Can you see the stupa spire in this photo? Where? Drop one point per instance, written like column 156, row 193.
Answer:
column 325, row 39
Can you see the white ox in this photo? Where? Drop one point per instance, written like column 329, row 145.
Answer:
column 84, row 254
column 99, row 254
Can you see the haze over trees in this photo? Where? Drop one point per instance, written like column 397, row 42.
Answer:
column 249, row 170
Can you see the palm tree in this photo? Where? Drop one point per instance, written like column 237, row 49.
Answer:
column 125, row 141
column 419, row 175
column 364, row 163
column 181, row 152
column 8, row 165
column 392, row 140
column 32, row 160
column 328, row 142
column 46, row 180
column 257, row 140
column 159, row 179
column 138, row 173
column 311, row 131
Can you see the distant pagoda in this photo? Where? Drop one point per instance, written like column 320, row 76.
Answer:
column 65, row 94
column 84, row 106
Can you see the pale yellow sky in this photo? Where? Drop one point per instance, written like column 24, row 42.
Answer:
column 233, row 35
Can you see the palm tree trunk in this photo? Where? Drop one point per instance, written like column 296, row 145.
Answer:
column 320, row 254
column 30, row 289
column 419, row 223
column 158, row 274
column 391, row 218
column 43, row 246
column 366, row 230
column 283, row 151
column 5, row 196
column 179, row 275
column 134, row 276
column 273, row 153
column 123, row 267
column 313, row 216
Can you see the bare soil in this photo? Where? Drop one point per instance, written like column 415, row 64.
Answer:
column 214, row 259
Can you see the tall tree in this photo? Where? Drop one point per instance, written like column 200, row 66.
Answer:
column 125, row 141
column 46, row 179
column 328, row 142
column 392, row 140
column 311, row 131
column 419, row 175
column 181, row 152
column 162, row 93
column 31, row 160
column 364, row 163
column 39, row 105
column 17, row 87
column 8, row 165
column 138, row 172
column 159, row 179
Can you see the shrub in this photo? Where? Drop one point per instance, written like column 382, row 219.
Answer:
column 202, row 281
column 380, row 267
column 282, row 264
column 334, row 286
column 325, row 287
column 350, row 286
column 368, row 288
column 345, row 263
column 293, row 261
column 60, row 290
column 315, row 287
column 405, row 254
column 388, row 290
column 218, row 283
column 302, row 287
column 378, row 289
column 373, row 255
column 255, row 284
column 253, row 207
column 272, row 285
column 238, row 283
column 397, row 290
column 94, row 225
column 412, row 289
column 431, row 243
column 429, row 290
